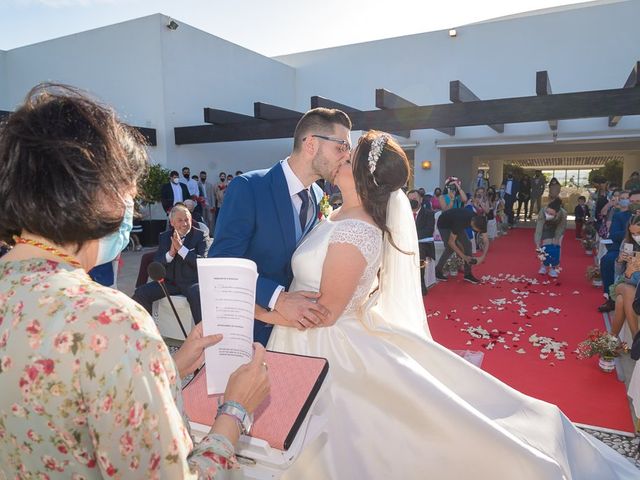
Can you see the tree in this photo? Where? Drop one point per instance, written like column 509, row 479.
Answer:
column 611, row 171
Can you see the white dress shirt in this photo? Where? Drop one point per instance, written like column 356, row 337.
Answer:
column 177, row 193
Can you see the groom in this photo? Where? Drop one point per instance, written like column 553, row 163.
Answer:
column 266, row 214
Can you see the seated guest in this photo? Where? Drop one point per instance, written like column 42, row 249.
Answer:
column 617, row 231
column 178, row 249
column 92, row 388
column 425, row 225
column 627, row 267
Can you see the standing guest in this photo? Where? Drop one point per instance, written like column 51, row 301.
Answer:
column 554, row 189
column 524, row 196
column 220, row 189
column 238, row 173
column 538, row 184
column 479, row 181
column 435, row 200
column 199, row 200
column 510, row 195
column 191, row 184
column 581, row 213
column 178, row 249
column 492, row 204
column 268, row 212
column 329, row 188
column 451, row 225
column 336, row 200
column 425, row 225
column 89, row 387
column 453, row 195
column 550, row 228
column 229, row 178
column 633, row 183
column 209, row 200
column 173, row 192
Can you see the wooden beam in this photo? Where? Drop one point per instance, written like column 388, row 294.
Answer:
column 543, row 87
column 633, row 81
column 386, row 100
column 223, row 117
column 265, row 111
column 325, row 102
column 563, row 106
column 459, row 93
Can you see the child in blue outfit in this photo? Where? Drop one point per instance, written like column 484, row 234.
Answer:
column 552, row 222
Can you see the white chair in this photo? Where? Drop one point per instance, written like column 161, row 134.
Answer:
column 166, row 320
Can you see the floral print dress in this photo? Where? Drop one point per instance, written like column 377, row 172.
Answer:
column 89, row 389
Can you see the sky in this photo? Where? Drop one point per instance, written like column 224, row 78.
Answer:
column 269, row 27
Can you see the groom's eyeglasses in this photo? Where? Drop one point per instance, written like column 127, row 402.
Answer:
column 344, row 145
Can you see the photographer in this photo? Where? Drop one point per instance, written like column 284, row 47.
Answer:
column 453, row 196
column 451, row 225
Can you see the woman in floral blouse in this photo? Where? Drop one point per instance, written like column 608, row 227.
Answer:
column 89, row 389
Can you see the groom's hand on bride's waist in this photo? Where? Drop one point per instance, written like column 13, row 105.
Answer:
column 301, row 310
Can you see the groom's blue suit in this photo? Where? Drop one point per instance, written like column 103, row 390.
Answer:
column 258, row 221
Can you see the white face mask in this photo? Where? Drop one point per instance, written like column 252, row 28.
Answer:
column 636, row 238
column 548, row 216
column 175, row 180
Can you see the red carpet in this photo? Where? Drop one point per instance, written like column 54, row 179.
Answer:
column 578, row 387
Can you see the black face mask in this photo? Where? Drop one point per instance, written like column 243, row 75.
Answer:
column 222, row 179
column 414, row 204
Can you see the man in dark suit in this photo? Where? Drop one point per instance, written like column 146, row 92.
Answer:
column 178, row 249
column 425, row 225
column 173, row 192
column 266, row 214
column 510, row 193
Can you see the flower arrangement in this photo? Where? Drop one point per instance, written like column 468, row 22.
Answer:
column 453, row 264
column 601, row 343
column 589, row 235
column 324, row 206
column 541, row 254
column 593, row 272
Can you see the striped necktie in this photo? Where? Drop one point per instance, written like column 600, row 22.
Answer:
column 304, row 209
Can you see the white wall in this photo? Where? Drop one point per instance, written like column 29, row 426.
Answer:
column 120, row 64
column 201, row 70
column 589, row 48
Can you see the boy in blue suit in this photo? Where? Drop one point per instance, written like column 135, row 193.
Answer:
column 266, row 214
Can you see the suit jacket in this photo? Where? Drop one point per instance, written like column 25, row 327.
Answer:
column 166, row 195
column 182, row 271
column 256, row 222
column 425, row 225
column 210, row 194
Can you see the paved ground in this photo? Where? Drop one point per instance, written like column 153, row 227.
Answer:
column 627, row 446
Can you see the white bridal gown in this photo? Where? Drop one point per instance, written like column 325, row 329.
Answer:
column 401, row 406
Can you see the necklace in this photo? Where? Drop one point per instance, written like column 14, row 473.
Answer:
column 70, row 259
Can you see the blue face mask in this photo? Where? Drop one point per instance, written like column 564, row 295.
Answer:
column 624, row 202
column 110, row 246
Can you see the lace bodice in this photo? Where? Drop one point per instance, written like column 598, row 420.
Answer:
column 309, row 258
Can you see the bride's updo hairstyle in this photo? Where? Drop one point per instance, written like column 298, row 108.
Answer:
column 379, row 174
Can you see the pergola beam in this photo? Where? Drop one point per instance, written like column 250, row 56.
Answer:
column 460, row 93
column 633, row 81
column 543, row 87
column 264, row 111
column 224, row 117
column 563, row 106
column 317, row 101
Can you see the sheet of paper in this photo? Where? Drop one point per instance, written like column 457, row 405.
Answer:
column 227, row 301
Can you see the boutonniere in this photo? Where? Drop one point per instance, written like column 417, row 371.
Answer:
column 325, row 207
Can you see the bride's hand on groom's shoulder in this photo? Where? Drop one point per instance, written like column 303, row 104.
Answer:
column 301, row 310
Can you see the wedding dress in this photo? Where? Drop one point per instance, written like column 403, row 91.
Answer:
column 401, row 406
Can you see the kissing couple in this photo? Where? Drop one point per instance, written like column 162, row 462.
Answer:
column 398, row 404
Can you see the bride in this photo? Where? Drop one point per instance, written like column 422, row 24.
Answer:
column 398, row 404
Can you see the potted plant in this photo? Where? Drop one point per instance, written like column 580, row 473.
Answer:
column 148, row 195
column 593, row 274
column 603, row 344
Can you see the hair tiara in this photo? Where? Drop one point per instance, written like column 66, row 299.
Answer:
column 374, row 153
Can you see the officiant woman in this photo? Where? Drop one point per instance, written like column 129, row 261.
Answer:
column 89, row 387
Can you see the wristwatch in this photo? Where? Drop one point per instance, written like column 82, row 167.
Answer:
column 245, row 420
